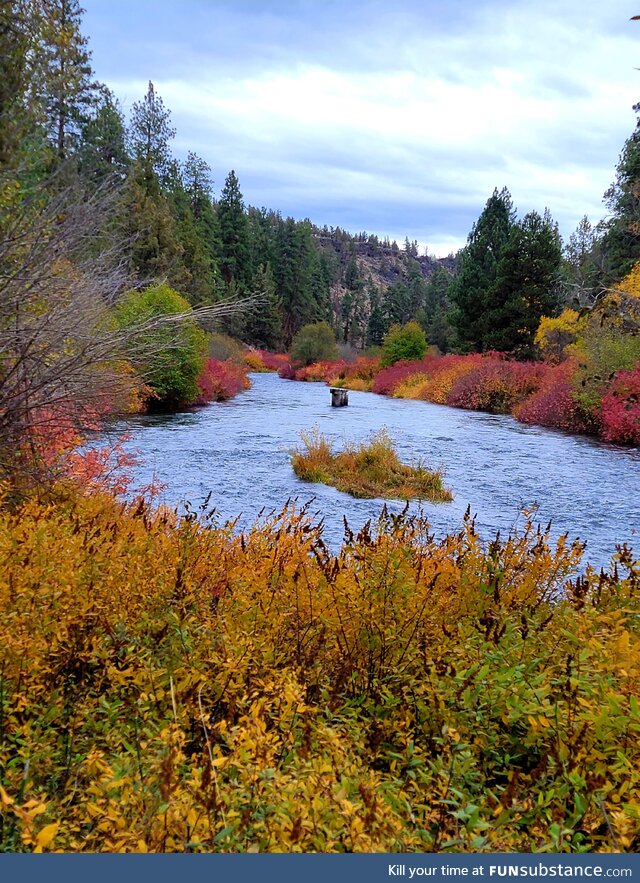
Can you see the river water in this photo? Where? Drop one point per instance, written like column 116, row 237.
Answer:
column 239, row 452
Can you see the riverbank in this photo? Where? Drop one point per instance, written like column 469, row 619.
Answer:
column 173, row 687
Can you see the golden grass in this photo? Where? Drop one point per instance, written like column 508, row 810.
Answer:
column 372, row 469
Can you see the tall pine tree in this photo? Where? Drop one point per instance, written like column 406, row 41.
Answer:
column 150, row 132
column 622, row 238
column 477, row 272
column 525, row 287
column 233, row 229
column 64, row 80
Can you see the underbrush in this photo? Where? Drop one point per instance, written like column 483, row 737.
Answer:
column 372, row 469
column 171, row 686
column 220, row 381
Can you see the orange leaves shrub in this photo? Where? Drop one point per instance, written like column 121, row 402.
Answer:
column 357, row 375
column 445, row 373
column 171, row 686
column 319, row 371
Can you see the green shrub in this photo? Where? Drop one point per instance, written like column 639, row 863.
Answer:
column 314, row 343
column 169, row 355
column 403, row 343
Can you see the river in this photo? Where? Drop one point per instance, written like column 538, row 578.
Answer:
column 239, row 452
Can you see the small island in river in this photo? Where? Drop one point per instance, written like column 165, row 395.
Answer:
column 371, row 469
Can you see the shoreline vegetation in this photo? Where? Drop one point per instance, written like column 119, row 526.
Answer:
column 170, row 686
column 371, row 469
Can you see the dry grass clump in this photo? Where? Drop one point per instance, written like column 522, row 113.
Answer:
column 371, row 469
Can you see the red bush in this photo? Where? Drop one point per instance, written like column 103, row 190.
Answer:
column 287, row 371
column 621, row 408
column 389, row 378
column 364, row 368
column 273, row 361
column 496, row 385
column 553, row 404
column 219, row 381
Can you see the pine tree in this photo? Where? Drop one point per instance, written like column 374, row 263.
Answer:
column 376, row 326
column 299, row 281
column 197, row 182
column 64, row 83
column 146, row 221
column 477, row 272
column 234, row 236
column 263, row 324
column 103, row 148
column 622, row 238
column 17, row 115
column 526, row 286
column 150, row 133
column 435, row 315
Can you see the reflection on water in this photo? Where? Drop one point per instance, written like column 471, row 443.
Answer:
column 239, row 452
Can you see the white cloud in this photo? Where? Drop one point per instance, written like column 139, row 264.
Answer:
column 536, row 97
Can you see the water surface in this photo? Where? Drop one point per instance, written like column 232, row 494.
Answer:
column 238, row 451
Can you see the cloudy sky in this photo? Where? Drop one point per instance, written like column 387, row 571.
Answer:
column 398, row 118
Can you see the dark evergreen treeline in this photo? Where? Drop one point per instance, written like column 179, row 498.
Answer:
column 58, row 120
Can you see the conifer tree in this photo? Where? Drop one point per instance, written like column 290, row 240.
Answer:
column 622, row 238
column 64, row 83
column 16, row 112
column 146, row 222
column 263, row 322
column 103, row 149
column 234, row 236
column 376, row 326
column 150, row 133
column 477, row 271
column 526, row 286
column 434, row 317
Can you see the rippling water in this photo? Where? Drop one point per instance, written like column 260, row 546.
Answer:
column 239, row 452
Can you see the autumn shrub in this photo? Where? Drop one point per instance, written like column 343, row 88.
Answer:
column 223, row 348
column 553, row 404
column 496, row 385
column 387, row 379
column 319, row 371
column 253, row 361
column 287, row 371
column 171, row 686
column 621, row 408
column 444, row 375
column 371, row 469
column 358, row 374
column 219, row 381
column 555, row 334
column 263, row 360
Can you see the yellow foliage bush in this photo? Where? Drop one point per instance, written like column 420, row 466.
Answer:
column 631, row 282
column 171, row 685
column 554, row 335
